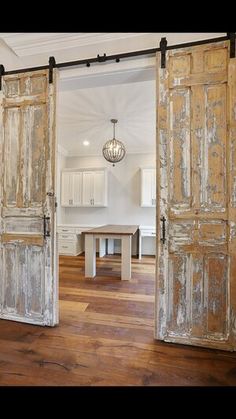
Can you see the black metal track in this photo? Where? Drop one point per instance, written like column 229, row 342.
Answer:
column 117, row 57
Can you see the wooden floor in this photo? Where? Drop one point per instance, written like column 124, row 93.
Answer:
column 105, row 337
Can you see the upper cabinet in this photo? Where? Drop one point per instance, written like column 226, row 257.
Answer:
column 87, row 188
column 71, row 189
column 95, row 188
column 148, row 187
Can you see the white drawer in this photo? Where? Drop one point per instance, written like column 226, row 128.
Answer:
column 69, row 236
column 67, row 248
column 147, row 233
column 66, row 230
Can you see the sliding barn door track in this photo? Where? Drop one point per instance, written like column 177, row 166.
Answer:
column 163, row 47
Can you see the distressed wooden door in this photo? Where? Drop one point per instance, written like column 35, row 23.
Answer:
column 28, row 257
column 196, row 190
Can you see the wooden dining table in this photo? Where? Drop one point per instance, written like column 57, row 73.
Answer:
column 109, row 231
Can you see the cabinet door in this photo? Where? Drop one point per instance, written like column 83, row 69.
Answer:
column 147, row 188
column 154, row 187
column 99, row 189
column 88, row 180
column 66, row 189
column 77, row 188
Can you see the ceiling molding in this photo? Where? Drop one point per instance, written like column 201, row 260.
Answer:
column 25, row 44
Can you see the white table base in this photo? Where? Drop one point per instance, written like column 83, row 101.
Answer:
column 90, row 253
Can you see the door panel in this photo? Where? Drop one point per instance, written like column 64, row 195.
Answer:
column 12, row 156
column 196, row 291
column 28, row 284
column 180, row 193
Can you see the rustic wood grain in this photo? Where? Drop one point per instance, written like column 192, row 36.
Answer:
column 28, row 268
column 195, row 293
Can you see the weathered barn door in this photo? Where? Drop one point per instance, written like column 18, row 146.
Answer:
column 28, row 266
column 196, row 190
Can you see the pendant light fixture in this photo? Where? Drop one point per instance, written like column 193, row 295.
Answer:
column 113, row 150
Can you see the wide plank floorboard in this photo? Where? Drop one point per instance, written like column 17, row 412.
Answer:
column 105, row 337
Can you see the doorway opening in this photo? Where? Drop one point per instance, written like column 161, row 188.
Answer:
column 86, row 105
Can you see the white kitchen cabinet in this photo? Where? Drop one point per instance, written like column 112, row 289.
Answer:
column 71, row 189
column 69, row 242
column 148, row 187
column 84, row 188
column 94, row 188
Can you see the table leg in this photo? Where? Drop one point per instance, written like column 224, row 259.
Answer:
column 110, row 250
column 90, row 256
column 102, row 247
column 140, row 245
column 126, row 258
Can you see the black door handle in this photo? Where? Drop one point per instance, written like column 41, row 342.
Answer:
column 46, row 231
column 163, row 238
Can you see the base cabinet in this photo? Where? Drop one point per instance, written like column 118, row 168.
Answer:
column 69, row 242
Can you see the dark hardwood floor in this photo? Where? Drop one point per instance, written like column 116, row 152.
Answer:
column 105, row 337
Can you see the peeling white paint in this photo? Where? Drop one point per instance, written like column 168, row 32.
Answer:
column 193, row 266
column 27, row 282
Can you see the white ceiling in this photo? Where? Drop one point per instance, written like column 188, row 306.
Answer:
column 84, row 114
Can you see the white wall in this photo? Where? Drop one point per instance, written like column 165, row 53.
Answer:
column 123, row 195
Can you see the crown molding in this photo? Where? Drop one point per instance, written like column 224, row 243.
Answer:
column 25, row 44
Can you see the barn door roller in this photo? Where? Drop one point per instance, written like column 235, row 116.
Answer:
column 52, row 65
column 231, row 36
column 163, row 45
column 2, row 70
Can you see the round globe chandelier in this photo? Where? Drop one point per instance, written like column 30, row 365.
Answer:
column 113, row 150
